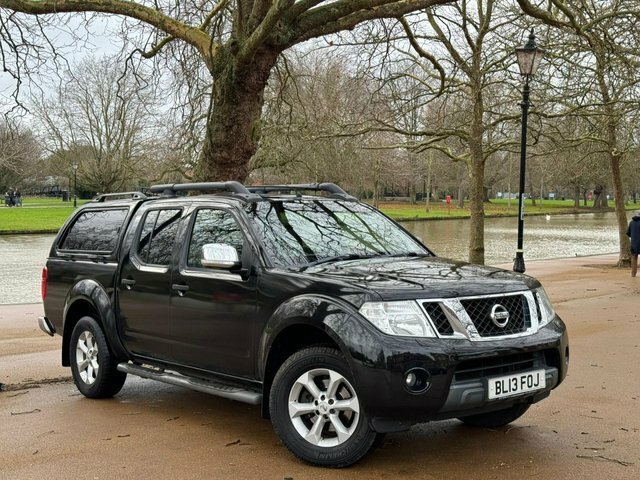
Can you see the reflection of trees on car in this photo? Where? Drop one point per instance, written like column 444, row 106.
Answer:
column 213, row 226
column 296, row 233
column 158, row 235
column 95, row 231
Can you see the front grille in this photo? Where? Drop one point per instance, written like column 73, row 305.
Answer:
column 497, row 366
column 479, row 310
column 438, row 317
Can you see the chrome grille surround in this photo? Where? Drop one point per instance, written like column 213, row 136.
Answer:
column 464, row 327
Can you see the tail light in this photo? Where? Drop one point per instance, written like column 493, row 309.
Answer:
column 43, row 284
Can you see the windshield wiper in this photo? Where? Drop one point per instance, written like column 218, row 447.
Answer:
column 341, row 258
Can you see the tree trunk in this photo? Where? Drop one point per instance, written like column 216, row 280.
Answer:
column 613, row 121
column 233, row 125
column 476, row 170
column 600, row 197
column 576, row 197
column 624, row 260
column 476, row 206
column 485, row 196
column 428, row 188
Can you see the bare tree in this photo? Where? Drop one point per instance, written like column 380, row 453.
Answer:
column 314, row 113
column 100, row 119
column 604, row 52
column 19, row 155
column 239, row 43
column 456, row 59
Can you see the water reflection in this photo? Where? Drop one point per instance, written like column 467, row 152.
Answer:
column 21, row 260
column 560, row 236
column 23, row 256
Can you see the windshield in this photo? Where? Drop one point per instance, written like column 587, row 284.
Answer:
column 309, row 231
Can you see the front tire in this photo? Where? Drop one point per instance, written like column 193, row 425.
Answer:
column 93, row 366
column 316, row 412
column 496, row 419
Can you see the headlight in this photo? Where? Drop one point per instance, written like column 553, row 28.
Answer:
column 398, row 318
column 546, row 309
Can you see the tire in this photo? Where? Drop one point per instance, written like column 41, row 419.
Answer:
column 92, row 364
column 304, row 390
column 496, row 419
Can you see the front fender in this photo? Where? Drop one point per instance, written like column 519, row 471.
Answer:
column 338, row 319
column 92, row 292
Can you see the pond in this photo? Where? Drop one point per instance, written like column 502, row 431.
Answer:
column 560, row 236
column 23, row 256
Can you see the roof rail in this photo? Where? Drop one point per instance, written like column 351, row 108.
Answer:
column 113, row 196
column 171, row 189
column 331, row 188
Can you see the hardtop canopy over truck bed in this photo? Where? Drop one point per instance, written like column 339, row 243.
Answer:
column 302, row 299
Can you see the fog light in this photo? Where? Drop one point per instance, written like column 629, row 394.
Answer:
column 417, row 380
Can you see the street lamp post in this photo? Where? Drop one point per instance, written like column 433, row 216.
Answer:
column 75, row 166
column 529, row 56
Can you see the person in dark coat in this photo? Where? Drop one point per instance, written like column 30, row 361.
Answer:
column 633, row 231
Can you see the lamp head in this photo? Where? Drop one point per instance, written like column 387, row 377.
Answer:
column 529, row 56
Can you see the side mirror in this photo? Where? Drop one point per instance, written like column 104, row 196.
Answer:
column 219, row 255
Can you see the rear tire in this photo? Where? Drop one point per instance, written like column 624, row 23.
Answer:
column 93, row 366
column 496, row 419
column 316, row 412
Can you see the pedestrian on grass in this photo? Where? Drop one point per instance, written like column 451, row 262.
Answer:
column 12, row 199
column 18, row 196
column 633, row 231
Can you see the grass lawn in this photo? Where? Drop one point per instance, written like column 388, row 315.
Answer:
column 48, row 214
column 495, row 208
column 33, row 219
column 36, row 215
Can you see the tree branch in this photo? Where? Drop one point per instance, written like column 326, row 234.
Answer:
column 171, row 26
column 346, row 14
column 423, row 53
column 264, row 29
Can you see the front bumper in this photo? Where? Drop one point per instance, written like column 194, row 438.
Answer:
column 457, row 370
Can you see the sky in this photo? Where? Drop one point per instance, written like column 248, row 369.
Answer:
column 100, row 43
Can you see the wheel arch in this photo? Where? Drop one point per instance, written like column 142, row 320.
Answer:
column 301, row 322
column 89, row 298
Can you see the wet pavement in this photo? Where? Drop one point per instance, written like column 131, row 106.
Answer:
column 588, row 428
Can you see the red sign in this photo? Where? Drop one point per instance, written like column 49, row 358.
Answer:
column 448, row 200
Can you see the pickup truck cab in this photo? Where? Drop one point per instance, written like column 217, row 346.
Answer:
column 300, row 298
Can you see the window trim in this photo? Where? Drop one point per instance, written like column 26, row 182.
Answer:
column 74, row 219
column 135, row 259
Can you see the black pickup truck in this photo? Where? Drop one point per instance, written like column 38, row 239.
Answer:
column 300, row 298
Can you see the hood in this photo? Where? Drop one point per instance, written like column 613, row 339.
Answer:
column 422, row 277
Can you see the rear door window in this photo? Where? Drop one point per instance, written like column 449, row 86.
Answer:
column 95, row 231
column 157, row 236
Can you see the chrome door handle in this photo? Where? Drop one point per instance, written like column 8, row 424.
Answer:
column 128, row 283
column 180, row 288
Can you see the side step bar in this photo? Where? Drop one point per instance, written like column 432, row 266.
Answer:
column 214, row 388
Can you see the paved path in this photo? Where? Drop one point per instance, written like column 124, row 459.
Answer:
column 588, row 429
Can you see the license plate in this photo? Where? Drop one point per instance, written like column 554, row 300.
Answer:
column 511, row 385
